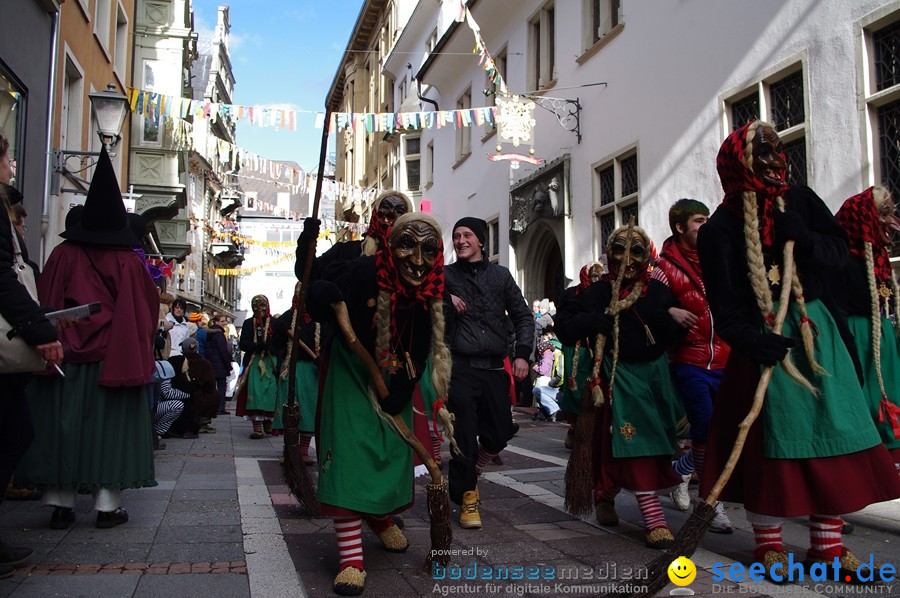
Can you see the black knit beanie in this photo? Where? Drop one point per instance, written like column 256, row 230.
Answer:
column 476, row 225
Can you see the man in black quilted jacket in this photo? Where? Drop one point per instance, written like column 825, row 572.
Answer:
column 479, row 295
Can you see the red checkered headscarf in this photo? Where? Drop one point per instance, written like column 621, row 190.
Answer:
column 389, row 279
column 378, row 230
column 859, row 219
column 735, row 166
column 584, row 277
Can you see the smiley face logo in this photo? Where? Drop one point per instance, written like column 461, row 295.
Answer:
column 682, row 571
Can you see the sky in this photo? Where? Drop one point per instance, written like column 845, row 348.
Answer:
column 283, row 52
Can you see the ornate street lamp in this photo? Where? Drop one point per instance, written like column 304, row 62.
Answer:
column 109, row 108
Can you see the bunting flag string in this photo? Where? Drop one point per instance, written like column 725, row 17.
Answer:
column 155, row 105
column 484, row 57
column 244, row 271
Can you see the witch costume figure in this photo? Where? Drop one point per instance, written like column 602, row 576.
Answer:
column 259, row 386
column 306, row 389
column 394, row 302
column 868, row 295
column 814, row 450
column 634, row 435
column 576, row 357
column 92, row 427
column 386, row 208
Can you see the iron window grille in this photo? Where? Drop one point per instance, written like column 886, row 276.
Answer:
column 886, row 43
column 786, row 97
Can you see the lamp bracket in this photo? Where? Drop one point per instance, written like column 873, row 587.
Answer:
column 567, row 112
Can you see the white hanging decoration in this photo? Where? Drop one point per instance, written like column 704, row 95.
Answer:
column 515, row 121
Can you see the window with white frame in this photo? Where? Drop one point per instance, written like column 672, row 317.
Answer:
column 120, row 59
column 413, row 157
column 151, row 130
column 492, row 247
column 492, row 89
column 431, row 42
column 401, row 93
column 881, row 63
column 102, row 22
column 780, row 100
column 541, row 48
column 616, row 190
column 464, row 134
column 429, row 164
column 600, row 18
column 72, row 107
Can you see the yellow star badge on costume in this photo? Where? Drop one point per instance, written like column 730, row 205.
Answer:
column 884, row 291
column 628, row 431
column 774, row 274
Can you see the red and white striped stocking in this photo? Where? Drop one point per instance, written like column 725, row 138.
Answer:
column 348, row 531
column 651, row 510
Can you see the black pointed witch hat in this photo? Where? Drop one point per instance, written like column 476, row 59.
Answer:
column 104, row 220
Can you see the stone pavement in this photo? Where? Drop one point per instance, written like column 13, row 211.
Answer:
column 222, row 523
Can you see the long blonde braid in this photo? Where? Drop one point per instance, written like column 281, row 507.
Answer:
column 806, row 330
column 875, row 317
column 757, row 267
column 383, row 331
column 616, row 306
column 441, row 367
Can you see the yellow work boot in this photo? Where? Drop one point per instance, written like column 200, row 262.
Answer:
column 469, row 518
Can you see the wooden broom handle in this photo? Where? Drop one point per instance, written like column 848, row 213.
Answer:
column 765, row 377
column 381, row 390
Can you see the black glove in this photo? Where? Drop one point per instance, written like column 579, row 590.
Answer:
column 770, row 348
column 322, row 294
column 311, row 227
column 604, row 324
column 790, row 226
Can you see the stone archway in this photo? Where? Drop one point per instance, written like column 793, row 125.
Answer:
column 543, row 270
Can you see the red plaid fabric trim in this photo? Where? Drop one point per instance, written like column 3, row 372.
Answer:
column 736, row 178
column 388, row 280
column 859, row 219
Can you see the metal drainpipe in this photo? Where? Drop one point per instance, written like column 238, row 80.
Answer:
column 51, row 104
column 424, row 99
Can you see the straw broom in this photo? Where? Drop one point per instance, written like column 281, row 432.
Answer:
column 436, row 492
column 295, row 472
column 692, row 532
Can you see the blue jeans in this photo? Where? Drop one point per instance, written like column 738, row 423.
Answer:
column 697, row 388
column 546, row 396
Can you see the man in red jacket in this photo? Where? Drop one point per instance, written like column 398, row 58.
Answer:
column 698, row 359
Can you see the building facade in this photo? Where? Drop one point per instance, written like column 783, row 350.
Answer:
column 652, row 109
column 365, row 158
column 28, row 37
column 211, row 199
column 94, row 54
column 165, row 46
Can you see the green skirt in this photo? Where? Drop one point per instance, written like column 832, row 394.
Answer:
column 861, row 329
column 836, row 421
column 306, row 394
column 570, row 398
column 364, row 465
column 262, row 388
column 645, row 408
column 88, row 436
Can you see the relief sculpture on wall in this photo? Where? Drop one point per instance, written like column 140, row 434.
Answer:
column 542, row 195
